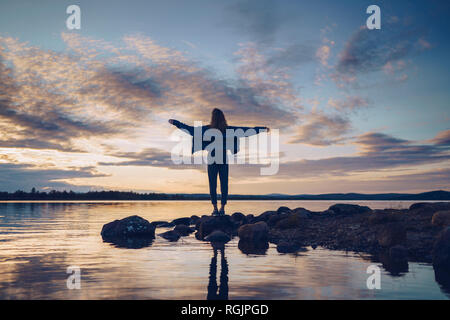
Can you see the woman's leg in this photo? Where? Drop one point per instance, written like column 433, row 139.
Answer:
column 212, row 177
column 223, row 175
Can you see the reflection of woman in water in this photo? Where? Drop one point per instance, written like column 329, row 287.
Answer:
column 218, row 167
column 212, row 285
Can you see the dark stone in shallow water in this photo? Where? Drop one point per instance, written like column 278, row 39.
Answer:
column 185, row 221
column 162, row 224
column 250, row 247
column 183, row 230
column 441, row 251
column 287, row 247
column 397, row 266
column 348, row 209
column 133, row 226
column 208, row 224
column 391, row 234
column 256, row 232
column 170, row 235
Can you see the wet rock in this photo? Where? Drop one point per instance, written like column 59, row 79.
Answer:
column 292, row 220
column 185, row 221
column 441, row 251
column 265, row 216
column 162, row 224
column 208, row 224
column 273, row 220
column 170, row 235
column 283, row 209
column 348, row 209
column 238, row 217
column 250, row 247
column 384, row 216
column 430, row 206
column 218, row 236
column 194, row 219
column 183, row 230
column 398, row 253
column 391, row 234
column 442, row 276
column 256, row 232
column 303, row 213
column 133, row 226
column 395, row 267
column 441, row 218
column 287, row 247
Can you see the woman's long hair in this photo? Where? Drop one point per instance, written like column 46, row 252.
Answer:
column 218, row 120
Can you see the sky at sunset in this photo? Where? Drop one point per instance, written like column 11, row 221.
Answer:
column 358, row 110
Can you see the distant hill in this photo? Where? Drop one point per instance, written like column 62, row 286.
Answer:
column 439, row 195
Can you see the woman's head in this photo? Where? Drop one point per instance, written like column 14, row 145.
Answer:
column 218, row 120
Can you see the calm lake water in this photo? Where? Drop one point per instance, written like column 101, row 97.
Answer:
column 38, row 241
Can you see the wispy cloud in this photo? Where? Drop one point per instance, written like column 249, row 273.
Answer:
column 320, row 129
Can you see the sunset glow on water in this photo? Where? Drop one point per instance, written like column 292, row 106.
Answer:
column 40, row 240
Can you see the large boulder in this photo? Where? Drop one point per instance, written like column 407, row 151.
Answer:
column 391, row 234
column 133, row 226
column 256, row 232
column 348, row 209
column 441, row 251
column 441, row 218
column 208, row 224
column 218, row 236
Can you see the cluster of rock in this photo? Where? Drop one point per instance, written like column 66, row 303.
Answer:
column 420, row 233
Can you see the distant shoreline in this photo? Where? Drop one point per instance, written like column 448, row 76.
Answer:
column 132, row 196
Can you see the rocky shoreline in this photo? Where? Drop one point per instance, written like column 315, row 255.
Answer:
column 420, row 233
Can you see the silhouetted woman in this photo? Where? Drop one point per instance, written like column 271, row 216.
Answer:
column 217, row 166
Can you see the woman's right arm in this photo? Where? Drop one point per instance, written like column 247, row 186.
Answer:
column 182, row 126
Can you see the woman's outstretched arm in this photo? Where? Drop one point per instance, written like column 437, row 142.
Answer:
column 182, row 126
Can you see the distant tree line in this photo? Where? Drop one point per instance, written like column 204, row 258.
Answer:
column 130, row 195
column 91, row 195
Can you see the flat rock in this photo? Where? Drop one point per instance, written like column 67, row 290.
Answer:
column 170, row 235
column 348, row 209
